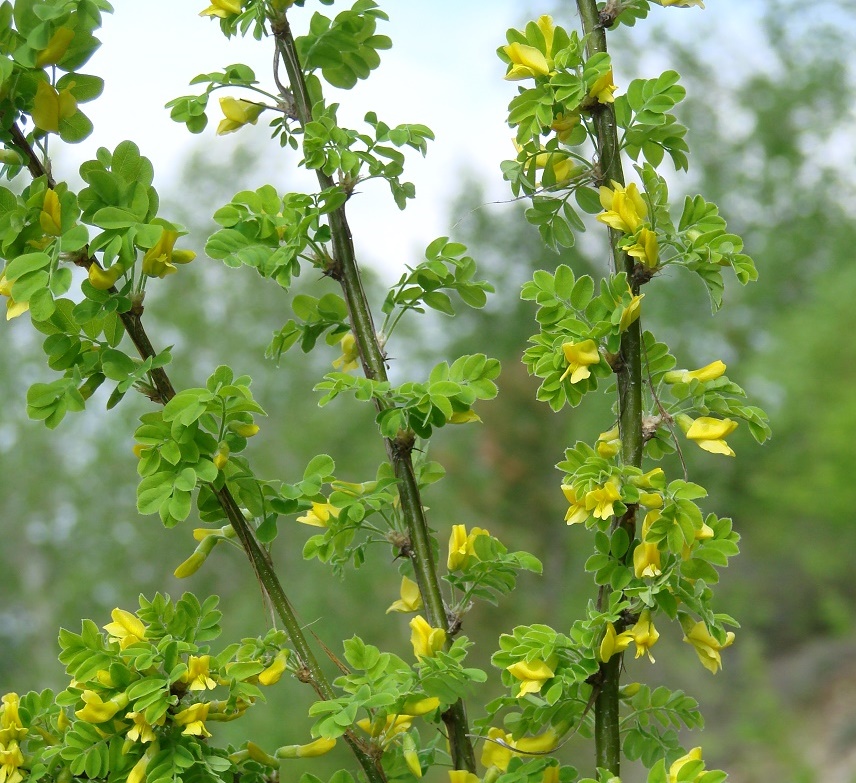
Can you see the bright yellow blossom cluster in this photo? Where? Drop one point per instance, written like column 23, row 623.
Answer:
column 626, row 211
column 598, row 502
column 643, row 634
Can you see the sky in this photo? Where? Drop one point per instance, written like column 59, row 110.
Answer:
column 442, row 72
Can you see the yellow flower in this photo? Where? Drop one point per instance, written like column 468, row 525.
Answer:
column 693, row 755
column 631, row 313
column 198, row 673
column 709, row 433
column 625, row 207
column 540, row 743
column 577, row 510
column 98, row 711
column 11, row 727
column 160, row 260
column 461, row 545
column 411, row 598
column 548, row 30
column 243, row 429
column 425, row 639
column 103, row 279
column 51, row 107
column 646, row 560
column 706, row 647
column 50, row 217
column 710, row 372
column 494, row 754
column 419, row 705
column 599, row 501
column 653, row 479
column 13, row 308
column 651, row 499
column 237, row 113
column 126, row 628
column 319, row 515
column 138, row 773
column 646, row 248
column 387, row 728
column 603, row 88
column 193, row 719
column 56, row 48
column 310, row 750
column 564, row 125
column 142, row 730
column 704, row 533
column 608, row 443
column 462, row 776
column 350, row 358
column 527, row 62
column 277, row 668
column 644, row 634
column 532, row 675
column 580, row 356
column 222, row 8
column 11, row 760
column 551, row 775
column 613, row 643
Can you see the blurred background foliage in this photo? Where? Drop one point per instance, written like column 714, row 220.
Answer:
column 772, row 144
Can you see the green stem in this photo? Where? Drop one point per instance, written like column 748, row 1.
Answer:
column 628, row 368
column 347, row 272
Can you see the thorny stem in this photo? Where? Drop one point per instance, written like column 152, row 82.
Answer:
column 259, row 559
column 607, row 736
column 346, row 271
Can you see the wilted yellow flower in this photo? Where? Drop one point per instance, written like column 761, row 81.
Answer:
column 706, row 647
column 527, row 62
column 56, row 48
column 160, row 260
column 425, row 639
column 708, row 433
column 532, row 675
column 646, row 248
column 603, row 88
column 51, row 107
column 577, row 510
column 126, row 628
column 644, row 634
column 13, row 308
column 319, row 515
column 98, row 711
column 579, row 356
column 50, row 218
column 631, row 313
column 193, row 719
column 222, row 8
column 237, row 113
column 613, row 643
column 625, row 207
column 274, row 672
column 599, row 501
column 678, row 764
column 198, row 673
column 11, row 759
column 411, row 598
column 350, row 358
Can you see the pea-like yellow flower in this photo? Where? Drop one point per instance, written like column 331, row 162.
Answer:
column 706, row 646
column 564, row 125
column 613, row 643
column 532, row 675
column 244, row 429
column 678, row 764
column 550, row 775
column 198, row 673
column 646, row 248
column 95, row 710
column 237, row 113
column 11, row 760
column 387, row 728
column 51, row 107
column 222, row 8
column 580, row 356
column 708, row 433
column 461, row 545
column 126, row 628
column 193, row 719
column 600, row 501
column 646, row 560
column 577, row 511
column 350, row 358
column 608, row 443
column 653, row 479
column 540, row 743
column 411, row 598
column 631, row 313
column 651, row 499
column 644, row 634
column 710, row 372
column 527, row 62
column 11, row 727
column 603, row 88
column 462, row 776
column 419, row 705
column 495, row 754
column 625, row 207
column 160, row 260
column 13, row 307
column 319, row 515
column 50, row 218
column 273, row 673
column 56, row 48
column 142, row 731
column 426, row 640
column 103, row 279
column 310, row 750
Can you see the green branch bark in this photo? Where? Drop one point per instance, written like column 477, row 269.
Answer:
column 628, row 370
column 258, row 557
column 347, row 272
